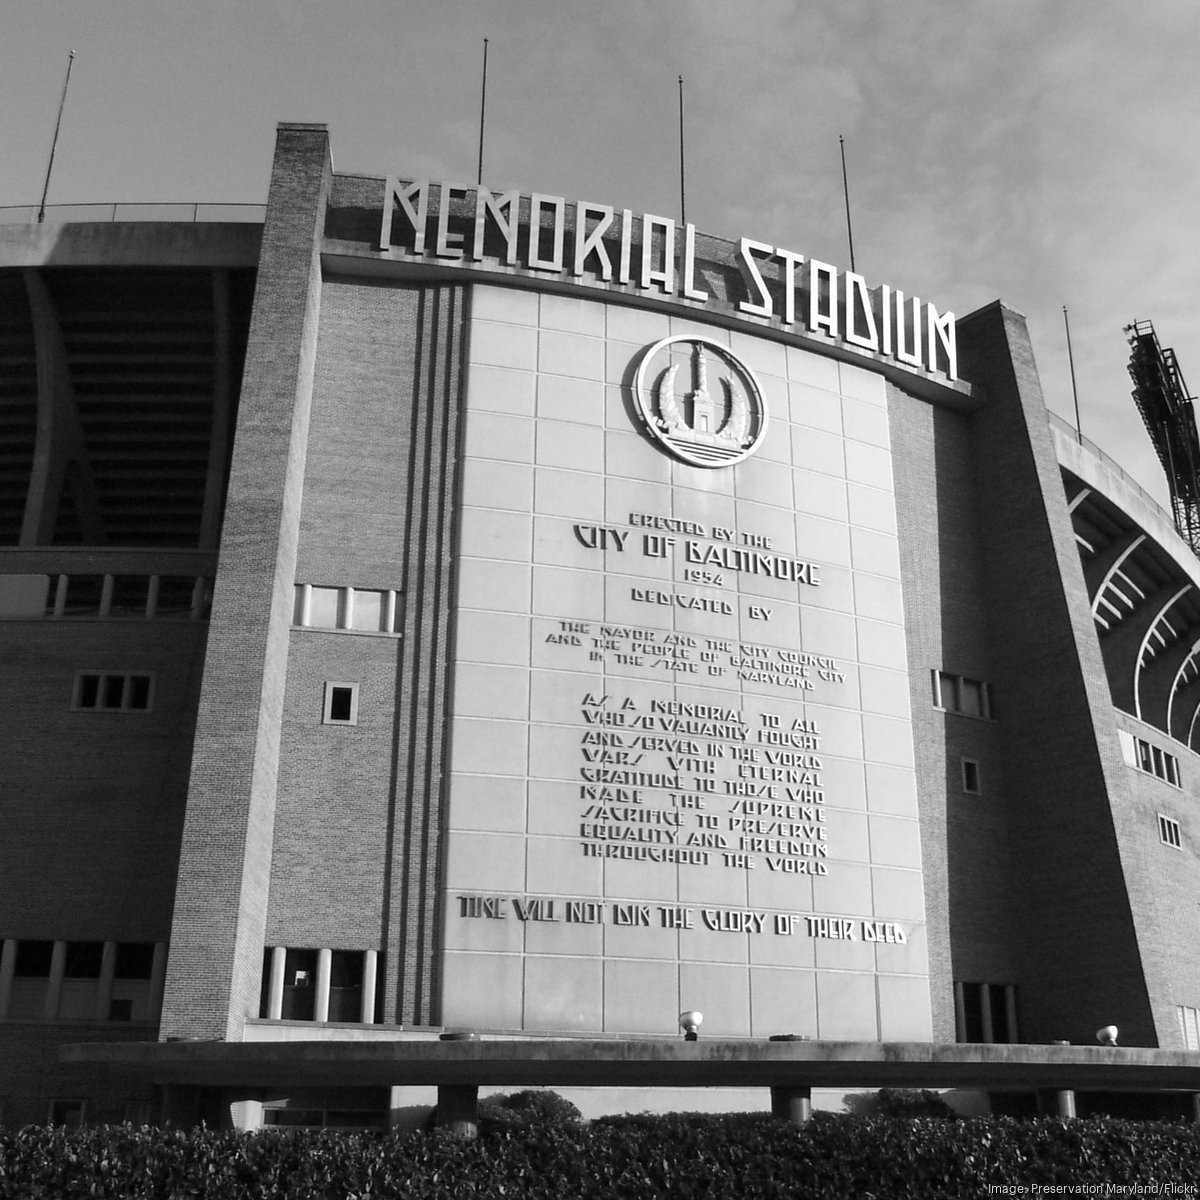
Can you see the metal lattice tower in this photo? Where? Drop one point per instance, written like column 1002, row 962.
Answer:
column 1166, row 406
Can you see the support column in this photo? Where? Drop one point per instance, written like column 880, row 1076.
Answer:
column 960, row 1013
column 104, row 984
column 458, row 1108
column 220, row 918
column 8, row 966
column 58, row 966
column 369, row 976
column 158, row 975
column 1010, row 1011
column 1064, row 1100
column 275, row 983
column 321, row 1000
column 792, row 1104
column 60, row 454
column 985, row 1012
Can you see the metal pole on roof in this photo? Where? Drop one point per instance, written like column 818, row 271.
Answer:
column 54, row 144
column 846, row 192
column 482, row 110
column 1074, row 389
column 682, row 177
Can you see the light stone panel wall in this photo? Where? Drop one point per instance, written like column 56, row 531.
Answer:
column 555, row 458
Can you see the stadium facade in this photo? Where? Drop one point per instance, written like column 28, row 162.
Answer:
column 441, row 609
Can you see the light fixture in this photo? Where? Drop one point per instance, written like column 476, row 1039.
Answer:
column 1107, row 1036
column 690, row 1023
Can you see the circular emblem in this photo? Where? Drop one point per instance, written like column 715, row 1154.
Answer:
column 700, row 401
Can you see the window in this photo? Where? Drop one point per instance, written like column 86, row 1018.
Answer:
column 985, row 1012
column 350, row 609
column 341, row 704
column 1189, row 1026
column 1169, row 833
column 970, row 777
column 1155, row 761
column 958, row 694
column 79, row 972
column 111, row 691
column 68, row 1113
column 115, row 597
column 31, row 979
column 352, row 977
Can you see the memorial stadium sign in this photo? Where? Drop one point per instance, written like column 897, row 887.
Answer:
column 449, row 223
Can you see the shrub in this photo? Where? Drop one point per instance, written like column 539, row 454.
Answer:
column 902, row 1103
column 533, row 1109
column 679, row 1156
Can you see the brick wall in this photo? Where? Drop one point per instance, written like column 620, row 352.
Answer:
column 220, row 910
column 1073, row 935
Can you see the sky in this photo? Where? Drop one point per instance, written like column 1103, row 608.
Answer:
column 1043, row 152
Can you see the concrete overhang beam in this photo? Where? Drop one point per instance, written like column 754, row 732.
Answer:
column 646, row 1063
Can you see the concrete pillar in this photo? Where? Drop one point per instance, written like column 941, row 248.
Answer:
column 8, row 965
column 321, row 1000
column 792, row 1104
column 104, row 984
column 985, row 1012
column 275, row 983
column 1010, row 1011
column 215, row 975
column 458, row 1108
column 1064, row 1102
column 1195, row 1103
column 58, row 966
column 960, row 1014
column 369, row 975
column 152, row 598
column 158, row 976
column 179, row 1105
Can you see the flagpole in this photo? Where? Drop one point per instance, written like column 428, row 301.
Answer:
column 682, row 177
column 482, row 110
column 54, row 144
column 846, row 192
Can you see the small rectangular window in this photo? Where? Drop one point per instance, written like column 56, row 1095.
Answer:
column 986, row 1012
column 370, row 611
column 349, row 609
column 958, row 694
column 87, row 691
column 135, row 960
column 175, row 595
column 112, row 691
column 1189, row 1025
column 1154, row 761
column 83, row 960
column 341, row 704
column 1169, row 832
column 129, row 596
column 84, row 593
column 323, row 607
column 970, row 777
column 33, row 959
column 68, row 1113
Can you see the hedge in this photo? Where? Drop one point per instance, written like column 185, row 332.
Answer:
column 679, row 1156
